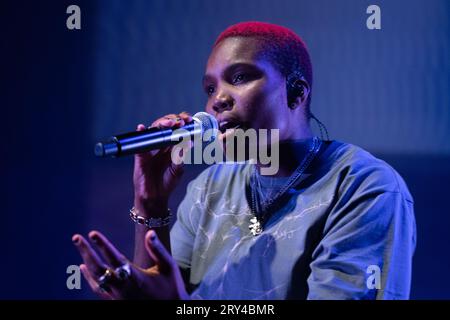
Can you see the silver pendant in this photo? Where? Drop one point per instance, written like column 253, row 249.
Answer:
column 255, row 226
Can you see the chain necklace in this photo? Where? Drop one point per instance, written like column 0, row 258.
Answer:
column 257, row 221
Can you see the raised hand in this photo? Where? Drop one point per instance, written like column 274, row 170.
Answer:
column 112, row 276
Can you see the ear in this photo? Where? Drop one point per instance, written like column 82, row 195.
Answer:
column 298, row 94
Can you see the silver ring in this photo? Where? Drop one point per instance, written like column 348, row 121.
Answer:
column 104, row 279
column 123, row 272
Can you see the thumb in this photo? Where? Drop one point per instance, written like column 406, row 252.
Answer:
column 158, row 252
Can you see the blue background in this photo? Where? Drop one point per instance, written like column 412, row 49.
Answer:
column 61, row 91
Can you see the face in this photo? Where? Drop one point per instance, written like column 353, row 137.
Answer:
column 246, row 91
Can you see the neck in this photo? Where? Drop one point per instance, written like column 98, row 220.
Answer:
column 291, row 154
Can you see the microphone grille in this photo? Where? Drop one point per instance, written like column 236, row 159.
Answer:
column 207, row 121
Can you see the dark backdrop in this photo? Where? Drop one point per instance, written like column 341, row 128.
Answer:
column 386, row 90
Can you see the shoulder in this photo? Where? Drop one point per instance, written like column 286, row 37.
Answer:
column 356, row 168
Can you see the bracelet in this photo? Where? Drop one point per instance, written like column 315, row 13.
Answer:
column 150, row 222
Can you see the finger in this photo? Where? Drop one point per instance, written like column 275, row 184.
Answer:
column 178, row 121
column 93, row 283
column 171, row 120
column 185, row 116
column 112, row 256
column 163, row 123
column 171, row 116
column 140, row 127
column 158, row 252
column 93, row 262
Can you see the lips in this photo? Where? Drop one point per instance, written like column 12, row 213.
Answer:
column 229, row 124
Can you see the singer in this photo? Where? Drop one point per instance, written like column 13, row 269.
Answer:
column 333, row 223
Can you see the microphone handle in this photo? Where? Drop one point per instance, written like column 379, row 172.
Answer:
column 141, row 141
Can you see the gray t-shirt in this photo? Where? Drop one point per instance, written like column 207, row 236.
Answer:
column 347, row 232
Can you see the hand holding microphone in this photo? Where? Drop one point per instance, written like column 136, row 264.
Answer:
column 157, row 137
column 155, row 175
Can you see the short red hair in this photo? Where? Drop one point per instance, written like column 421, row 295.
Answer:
column 281, row 46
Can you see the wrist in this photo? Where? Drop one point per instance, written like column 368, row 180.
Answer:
column 157, row 208
column 150, row 222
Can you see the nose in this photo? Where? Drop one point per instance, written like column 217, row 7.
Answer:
column 222, row 102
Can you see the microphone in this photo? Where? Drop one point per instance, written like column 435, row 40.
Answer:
column 156, row 138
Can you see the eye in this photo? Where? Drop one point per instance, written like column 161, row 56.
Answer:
column 209, row 90
column 239, row 78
